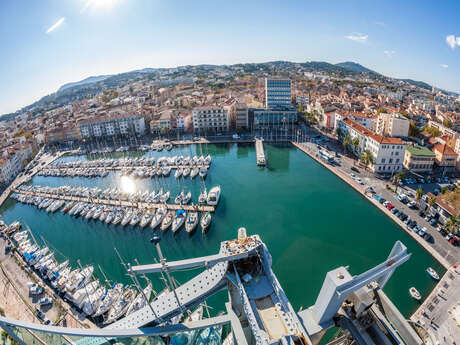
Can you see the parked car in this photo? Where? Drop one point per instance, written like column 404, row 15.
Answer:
column 417, row 228
column 394, row 210
column 412, row 224
column 412, row 204
column 433, row 221
column 45, row 301
column 386, row 203
column 421, row 213
column 36, row 290
column 407, row 220
column 427, row 218
column 422, row 231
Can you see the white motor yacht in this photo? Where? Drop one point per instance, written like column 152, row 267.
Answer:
column 214, row 196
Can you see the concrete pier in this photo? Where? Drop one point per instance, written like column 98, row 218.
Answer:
column 125, row 167
column 260, row 154
column 142, row 205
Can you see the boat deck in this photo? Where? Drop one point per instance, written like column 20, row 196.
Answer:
column 143, row 205
column 270, row 317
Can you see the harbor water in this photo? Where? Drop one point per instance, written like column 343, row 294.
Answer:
column 310, row 220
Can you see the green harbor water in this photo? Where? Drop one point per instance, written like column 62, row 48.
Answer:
column 310, row 220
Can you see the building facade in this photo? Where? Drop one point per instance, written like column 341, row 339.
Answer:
column 109, row 126
column 278, row 93
column 210, row 119
column 419, row 159
column 445, row 157
column 393, row 125
column 387, row 152
column 274, row 117
column 12, row 161
column 241, row 116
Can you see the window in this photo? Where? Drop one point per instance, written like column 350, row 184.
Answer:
column 390, row 160
column 383, row 160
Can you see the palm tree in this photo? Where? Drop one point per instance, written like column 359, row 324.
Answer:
column 451, row 224
column 339, row 132
column 346, row 142
column 355, row 143
column 418, row 194
column 367, row 158
column 431, row 201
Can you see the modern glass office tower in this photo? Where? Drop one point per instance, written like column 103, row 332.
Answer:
column 277, row 93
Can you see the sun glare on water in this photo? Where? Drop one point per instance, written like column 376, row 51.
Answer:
column 127, row 184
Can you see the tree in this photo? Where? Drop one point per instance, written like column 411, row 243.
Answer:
column 413, row 130
column 418, row 194
column 355, row 143
column 447, row 123
column 339, row 132
column 431, row 200
column 346, row 142
column 400, row 175
column 367, row 158
column 451, row 224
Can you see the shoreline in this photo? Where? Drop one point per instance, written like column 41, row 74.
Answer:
column 344, row 177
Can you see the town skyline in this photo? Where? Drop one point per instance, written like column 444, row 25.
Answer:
column 61, row 42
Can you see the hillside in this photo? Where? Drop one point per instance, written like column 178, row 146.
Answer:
column 88, row 80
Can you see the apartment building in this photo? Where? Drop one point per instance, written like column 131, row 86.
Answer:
column 392, row 125
column 12, row 161
column 112, row 125
column 211, row 118
column 161, row 122
column 241, row 116
column 302, row 100
column 419, row 159
column 387, row 152
column 62, row 134
column 443, row 129
column 445, row 157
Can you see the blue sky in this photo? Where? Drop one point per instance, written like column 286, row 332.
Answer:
column 48, row 43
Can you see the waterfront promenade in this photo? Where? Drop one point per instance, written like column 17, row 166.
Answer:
column 362, row 190
column 42, row 162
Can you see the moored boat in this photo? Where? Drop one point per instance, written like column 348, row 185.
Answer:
column 432, row 273
column 415, row 294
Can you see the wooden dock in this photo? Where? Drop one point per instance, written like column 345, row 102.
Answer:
column 141, row 205
column 260, row 154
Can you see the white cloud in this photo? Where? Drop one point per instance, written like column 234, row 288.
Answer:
column 443, row 65
column 389, row 53
column 55, row 25
column 453, row 41
column 357, row 37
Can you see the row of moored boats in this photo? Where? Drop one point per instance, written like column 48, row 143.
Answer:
column 77, row 285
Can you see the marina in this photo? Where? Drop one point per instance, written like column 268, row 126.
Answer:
column 288, row 167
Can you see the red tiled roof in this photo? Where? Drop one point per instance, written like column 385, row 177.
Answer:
column 444, row 149
column 368, row 133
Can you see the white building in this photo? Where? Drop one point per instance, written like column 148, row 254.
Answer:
column 393, row 125
column 210, row 119
column 112, row 125
column 303, row 100
column 12, row 161
column 387, row 152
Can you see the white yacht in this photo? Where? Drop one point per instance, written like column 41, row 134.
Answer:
column 158, row 217
column 203, row 197
column 191, row 222
column 167, row 221
column 146, row 218
column 120, row 307
column 178, row 221
column 111, row 297
column 205, row 221
column 194, row 172
column 140, row 301
column 214, row 196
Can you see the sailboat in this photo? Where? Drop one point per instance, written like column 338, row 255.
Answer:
column 140, row 301
column 205, row 221
column 120, row 307
column 191, row 222
column 167, row 221
column 202, row 199
column 110, row 297
column 178, row 220
column 158, row 217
